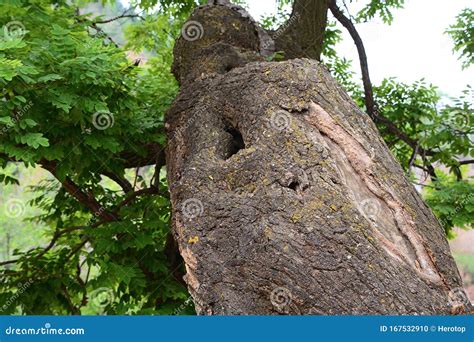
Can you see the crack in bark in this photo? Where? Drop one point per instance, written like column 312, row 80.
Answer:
column 362, row 165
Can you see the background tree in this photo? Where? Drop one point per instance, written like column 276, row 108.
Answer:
column 74, row 105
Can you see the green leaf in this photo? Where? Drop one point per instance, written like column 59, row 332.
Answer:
column 11, row 44
column 34, row 140
column 6, row 120
column 29, row 123
column 50, row 77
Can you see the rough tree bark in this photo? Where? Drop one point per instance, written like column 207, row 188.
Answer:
column 285, row 198
column 302, row 35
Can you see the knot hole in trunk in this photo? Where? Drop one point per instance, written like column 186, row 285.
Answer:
column 235, row 141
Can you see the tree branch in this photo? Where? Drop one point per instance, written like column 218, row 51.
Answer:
column 77, row 248
column 56, row 236
column 370, row 104
column 123, row 15
column 131, row 197
column 412, row 158
column 122, row 181
column 102, row 32
column 74, row 309
column 303, row 34
column 154, row 152
column 347, row 23
column 430, row 169
column 87, row 200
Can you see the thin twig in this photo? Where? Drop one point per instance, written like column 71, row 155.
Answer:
column 122, row 181
column 370, row 104
column 131, row 197
column 119, row 17
column 56, row 236
column 412, row 158
column 73, row 189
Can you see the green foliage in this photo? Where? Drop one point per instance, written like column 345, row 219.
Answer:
column 442, row 126
column 339, row 67
column 183, row 6
column 452, row 201
column 70, row 97
column 462, row 33
column 416, row 110
column 381, row 8
column 276, row 56
column 445, row 130
column 283, row 12
column 14, row 204
column 465, row 262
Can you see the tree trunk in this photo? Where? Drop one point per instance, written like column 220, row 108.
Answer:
column 302, row 35
column 285, row 198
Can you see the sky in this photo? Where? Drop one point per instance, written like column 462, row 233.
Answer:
column 414, row 46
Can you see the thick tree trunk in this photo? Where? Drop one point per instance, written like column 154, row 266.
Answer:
column 285, row 198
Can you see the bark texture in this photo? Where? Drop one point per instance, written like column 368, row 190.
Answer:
column 302, row 35
column 285, row 198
